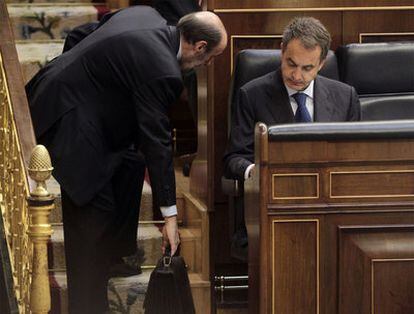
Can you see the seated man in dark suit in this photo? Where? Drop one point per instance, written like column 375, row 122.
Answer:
column 293, row 93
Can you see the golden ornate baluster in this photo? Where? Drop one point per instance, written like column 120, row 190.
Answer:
column 28, row 257
column 40, row 205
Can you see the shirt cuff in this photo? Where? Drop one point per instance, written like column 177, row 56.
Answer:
column 168, row 211
column 247, row 171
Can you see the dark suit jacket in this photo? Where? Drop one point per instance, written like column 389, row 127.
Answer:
column 111, row 90
column 173, row 10
column 265, row 99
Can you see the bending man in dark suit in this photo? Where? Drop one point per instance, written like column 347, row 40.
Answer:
column 293, row 93
column 89, row 105
column 133, row 162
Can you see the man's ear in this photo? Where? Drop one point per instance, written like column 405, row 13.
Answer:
column 321, row 64
column 200, row 46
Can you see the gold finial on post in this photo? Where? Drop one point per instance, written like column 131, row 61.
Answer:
column 41, row 204
column 40, row 170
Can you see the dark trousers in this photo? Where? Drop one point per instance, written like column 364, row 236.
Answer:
column 99, row 233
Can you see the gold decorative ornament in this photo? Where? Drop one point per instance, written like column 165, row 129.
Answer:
column 40, row 170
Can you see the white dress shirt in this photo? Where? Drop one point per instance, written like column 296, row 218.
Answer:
column 309, row 100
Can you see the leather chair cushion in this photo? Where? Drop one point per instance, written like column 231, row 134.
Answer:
column 377, row 68
column 387, row 107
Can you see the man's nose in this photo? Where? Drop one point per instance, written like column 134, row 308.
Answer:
column 297, row 74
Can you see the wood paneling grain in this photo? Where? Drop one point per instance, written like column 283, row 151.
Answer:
column 371, row 260
column 385, row 37
column 280, row 4
column 364, row 184
column 295, row 266
column 393, row 286
column 294, row 186
column 355, row 23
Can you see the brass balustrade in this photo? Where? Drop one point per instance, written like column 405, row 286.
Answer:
column 13, row 192
column 19, row 220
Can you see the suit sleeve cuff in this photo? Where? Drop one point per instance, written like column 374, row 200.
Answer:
column 168, row 211
column 247, row 171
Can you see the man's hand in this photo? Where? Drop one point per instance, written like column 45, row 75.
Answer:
column 170, row 234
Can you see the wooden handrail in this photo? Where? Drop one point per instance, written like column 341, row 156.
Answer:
column 16, row 85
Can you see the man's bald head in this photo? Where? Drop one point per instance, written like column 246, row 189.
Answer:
column 203, row 26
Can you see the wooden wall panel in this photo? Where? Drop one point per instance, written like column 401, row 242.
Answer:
column 295, row 263
column 393, row 286
column 385, row 37
column 339, row 185
column 365, row 184
column 346, row 233
column 371, row 260
column 294, row 186
column 359, row 22
column 255, row 4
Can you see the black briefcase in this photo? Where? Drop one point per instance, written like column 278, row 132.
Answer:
column 169, row 289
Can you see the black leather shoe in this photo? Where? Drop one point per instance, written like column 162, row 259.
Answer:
column 128, row 265
column 123, row 269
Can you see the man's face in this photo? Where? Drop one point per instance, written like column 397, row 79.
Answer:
column 300, row 65
column 198, row 55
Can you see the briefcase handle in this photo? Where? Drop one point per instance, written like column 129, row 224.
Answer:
column 166, row 260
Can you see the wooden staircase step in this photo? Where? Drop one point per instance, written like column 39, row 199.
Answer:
column 50, row 21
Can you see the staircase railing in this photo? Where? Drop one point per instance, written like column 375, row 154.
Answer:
column 22, row 226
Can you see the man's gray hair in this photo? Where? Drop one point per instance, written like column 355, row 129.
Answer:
column 310, row 31
column 194, row 29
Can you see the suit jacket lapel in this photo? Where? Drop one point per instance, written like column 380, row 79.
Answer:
column 279, row 104
column 323, row 106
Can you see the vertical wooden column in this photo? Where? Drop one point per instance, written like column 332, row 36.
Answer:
column 41, row 204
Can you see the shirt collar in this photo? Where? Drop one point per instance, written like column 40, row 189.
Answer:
column 179, row 52
column 308, row 90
